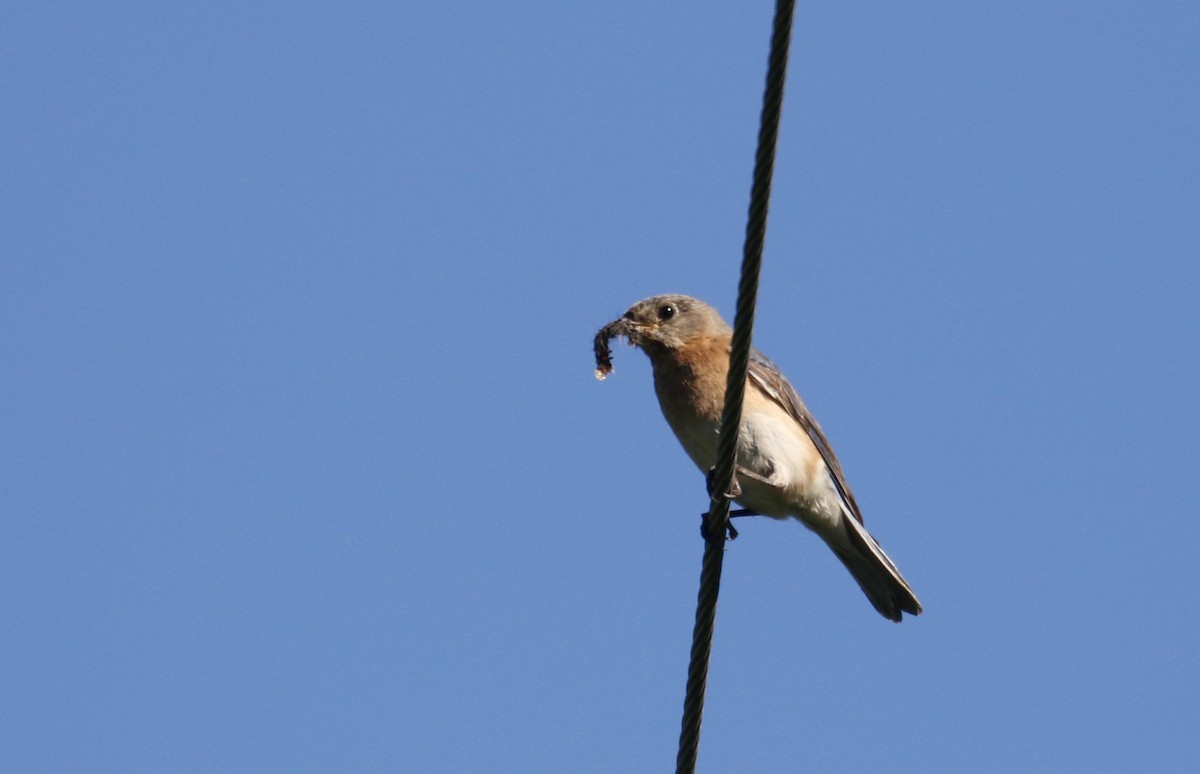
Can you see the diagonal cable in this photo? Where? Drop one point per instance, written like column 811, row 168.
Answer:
column 717, row 519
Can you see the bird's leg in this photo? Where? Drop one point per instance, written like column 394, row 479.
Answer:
column 731, row 531
column 737, row 512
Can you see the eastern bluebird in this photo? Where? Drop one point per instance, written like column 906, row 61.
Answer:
column 785, row 465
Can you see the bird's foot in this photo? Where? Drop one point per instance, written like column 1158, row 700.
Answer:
column 734, row 486
column 730, row 531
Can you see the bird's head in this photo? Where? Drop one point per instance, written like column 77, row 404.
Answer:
column 660, row 324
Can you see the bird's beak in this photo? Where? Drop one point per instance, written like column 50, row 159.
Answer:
column 633, row 330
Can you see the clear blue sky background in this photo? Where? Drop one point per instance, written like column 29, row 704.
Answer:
column 305, row 468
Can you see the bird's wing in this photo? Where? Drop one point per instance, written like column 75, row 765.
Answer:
column 767, row 377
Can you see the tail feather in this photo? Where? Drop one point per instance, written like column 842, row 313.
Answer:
column 875, row 572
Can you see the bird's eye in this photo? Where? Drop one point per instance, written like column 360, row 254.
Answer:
column 666, row 312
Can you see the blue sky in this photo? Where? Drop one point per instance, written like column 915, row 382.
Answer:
column 306, row 468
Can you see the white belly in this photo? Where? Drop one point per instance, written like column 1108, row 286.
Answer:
column 785, row 475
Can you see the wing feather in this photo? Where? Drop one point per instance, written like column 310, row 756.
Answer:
column 767, row 377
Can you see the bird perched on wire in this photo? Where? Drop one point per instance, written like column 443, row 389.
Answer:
column 785, row 466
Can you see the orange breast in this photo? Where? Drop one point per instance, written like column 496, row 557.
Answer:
column 690, row 381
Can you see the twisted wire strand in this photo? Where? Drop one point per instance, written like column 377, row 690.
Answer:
column 717, row 519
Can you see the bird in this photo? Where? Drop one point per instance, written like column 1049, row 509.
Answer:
column 786, row 467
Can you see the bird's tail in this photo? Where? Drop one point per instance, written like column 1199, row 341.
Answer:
column 875, row 572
